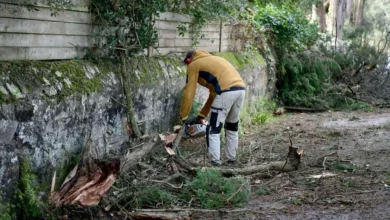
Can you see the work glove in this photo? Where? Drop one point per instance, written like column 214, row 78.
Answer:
column 197, row 120
column 185, row 121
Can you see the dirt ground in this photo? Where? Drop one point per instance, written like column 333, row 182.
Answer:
column 352, row 146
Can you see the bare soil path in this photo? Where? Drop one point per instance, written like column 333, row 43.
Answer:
column 354, row 147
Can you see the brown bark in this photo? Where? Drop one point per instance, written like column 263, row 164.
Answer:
column 131, row 159
column 134, row 131
column 88, row 184
column 280, row 166
column 171, row 214
column 303, row 109
column 129, row 98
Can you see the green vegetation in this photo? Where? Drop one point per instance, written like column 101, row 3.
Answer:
column 257, row 112
column 66, row 167
column 343, row 166
column 295, row 200
column 207, row 189
column 203, row 11
column 289, row 28
column 154, row 196
column 263, row 191
column 6, row 212
column 350, row 182
column 212, row 190
column 26, row 204
column 58, row 79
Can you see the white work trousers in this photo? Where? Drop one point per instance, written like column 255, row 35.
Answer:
column 225, row 108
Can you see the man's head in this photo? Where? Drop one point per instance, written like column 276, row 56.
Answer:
column 188, row 59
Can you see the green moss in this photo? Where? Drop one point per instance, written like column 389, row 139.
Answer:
column 148, row 70
column 258, row 59
column 232, row 58
column 38, row 74
column 241, row 60
column 27, row 204
column 65, row 168
column 30, row 75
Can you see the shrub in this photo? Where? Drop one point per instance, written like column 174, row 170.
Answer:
column 152, row 196
column 289, row 28
column 213, row 190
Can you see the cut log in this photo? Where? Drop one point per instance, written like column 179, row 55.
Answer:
column 131, row 159
column 303, row 109
column 171, row 214
column 273, row 166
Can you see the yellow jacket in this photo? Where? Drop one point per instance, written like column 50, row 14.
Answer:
column 212, row 72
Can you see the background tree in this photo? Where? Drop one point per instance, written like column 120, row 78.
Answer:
column 335, row 17
column 358, row 12
column 318, row 15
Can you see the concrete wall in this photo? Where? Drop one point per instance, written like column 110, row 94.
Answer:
column 216, row 36
column 27, row 34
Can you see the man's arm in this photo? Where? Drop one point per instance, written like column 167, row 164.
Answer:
column 188, row 93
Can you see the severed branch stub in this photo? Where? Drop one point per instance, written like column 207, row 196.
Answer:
column 90, row 180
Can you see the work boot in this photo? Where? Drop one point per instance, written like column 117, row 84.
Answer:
column 215, row 164
column 230, row 163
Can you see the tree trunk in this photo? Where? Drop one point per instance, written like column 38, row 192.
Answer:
column 129, row 98
column 134, row 131
column 358, row 13
column 336, row 15
column 332, row 17
column 348, row 11
column 341, row 9
column 320, row 12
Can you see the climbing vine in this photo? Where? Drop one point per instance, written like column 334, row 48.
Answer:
column 124, row 26
column 203, row 11
column 55, row 6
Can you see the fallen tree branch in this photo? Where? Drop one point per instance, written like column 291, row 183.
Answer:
column 171, row 214
column 275, row 166
column 168, row 184
column 132, row 159
column 303, row 109
column 177, row 140
column 184, row 165
column 239, row 189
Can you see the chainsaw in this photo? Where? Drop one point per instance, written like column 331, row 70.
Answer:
column 195, row 130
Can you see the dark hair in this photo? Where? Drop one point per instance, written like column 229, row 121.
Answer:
column 189, row 55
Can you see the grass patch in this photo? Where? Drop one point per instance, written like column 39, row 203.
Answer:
column 258, row 112
column 263, row 191
column 350, row 182
column 342, row 166
column 154, row 196
column 294, row 200
column 335, row 133
column 212, row 190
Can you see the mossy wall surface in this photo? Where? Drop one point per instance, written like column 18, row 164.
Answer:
column 50, row 110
